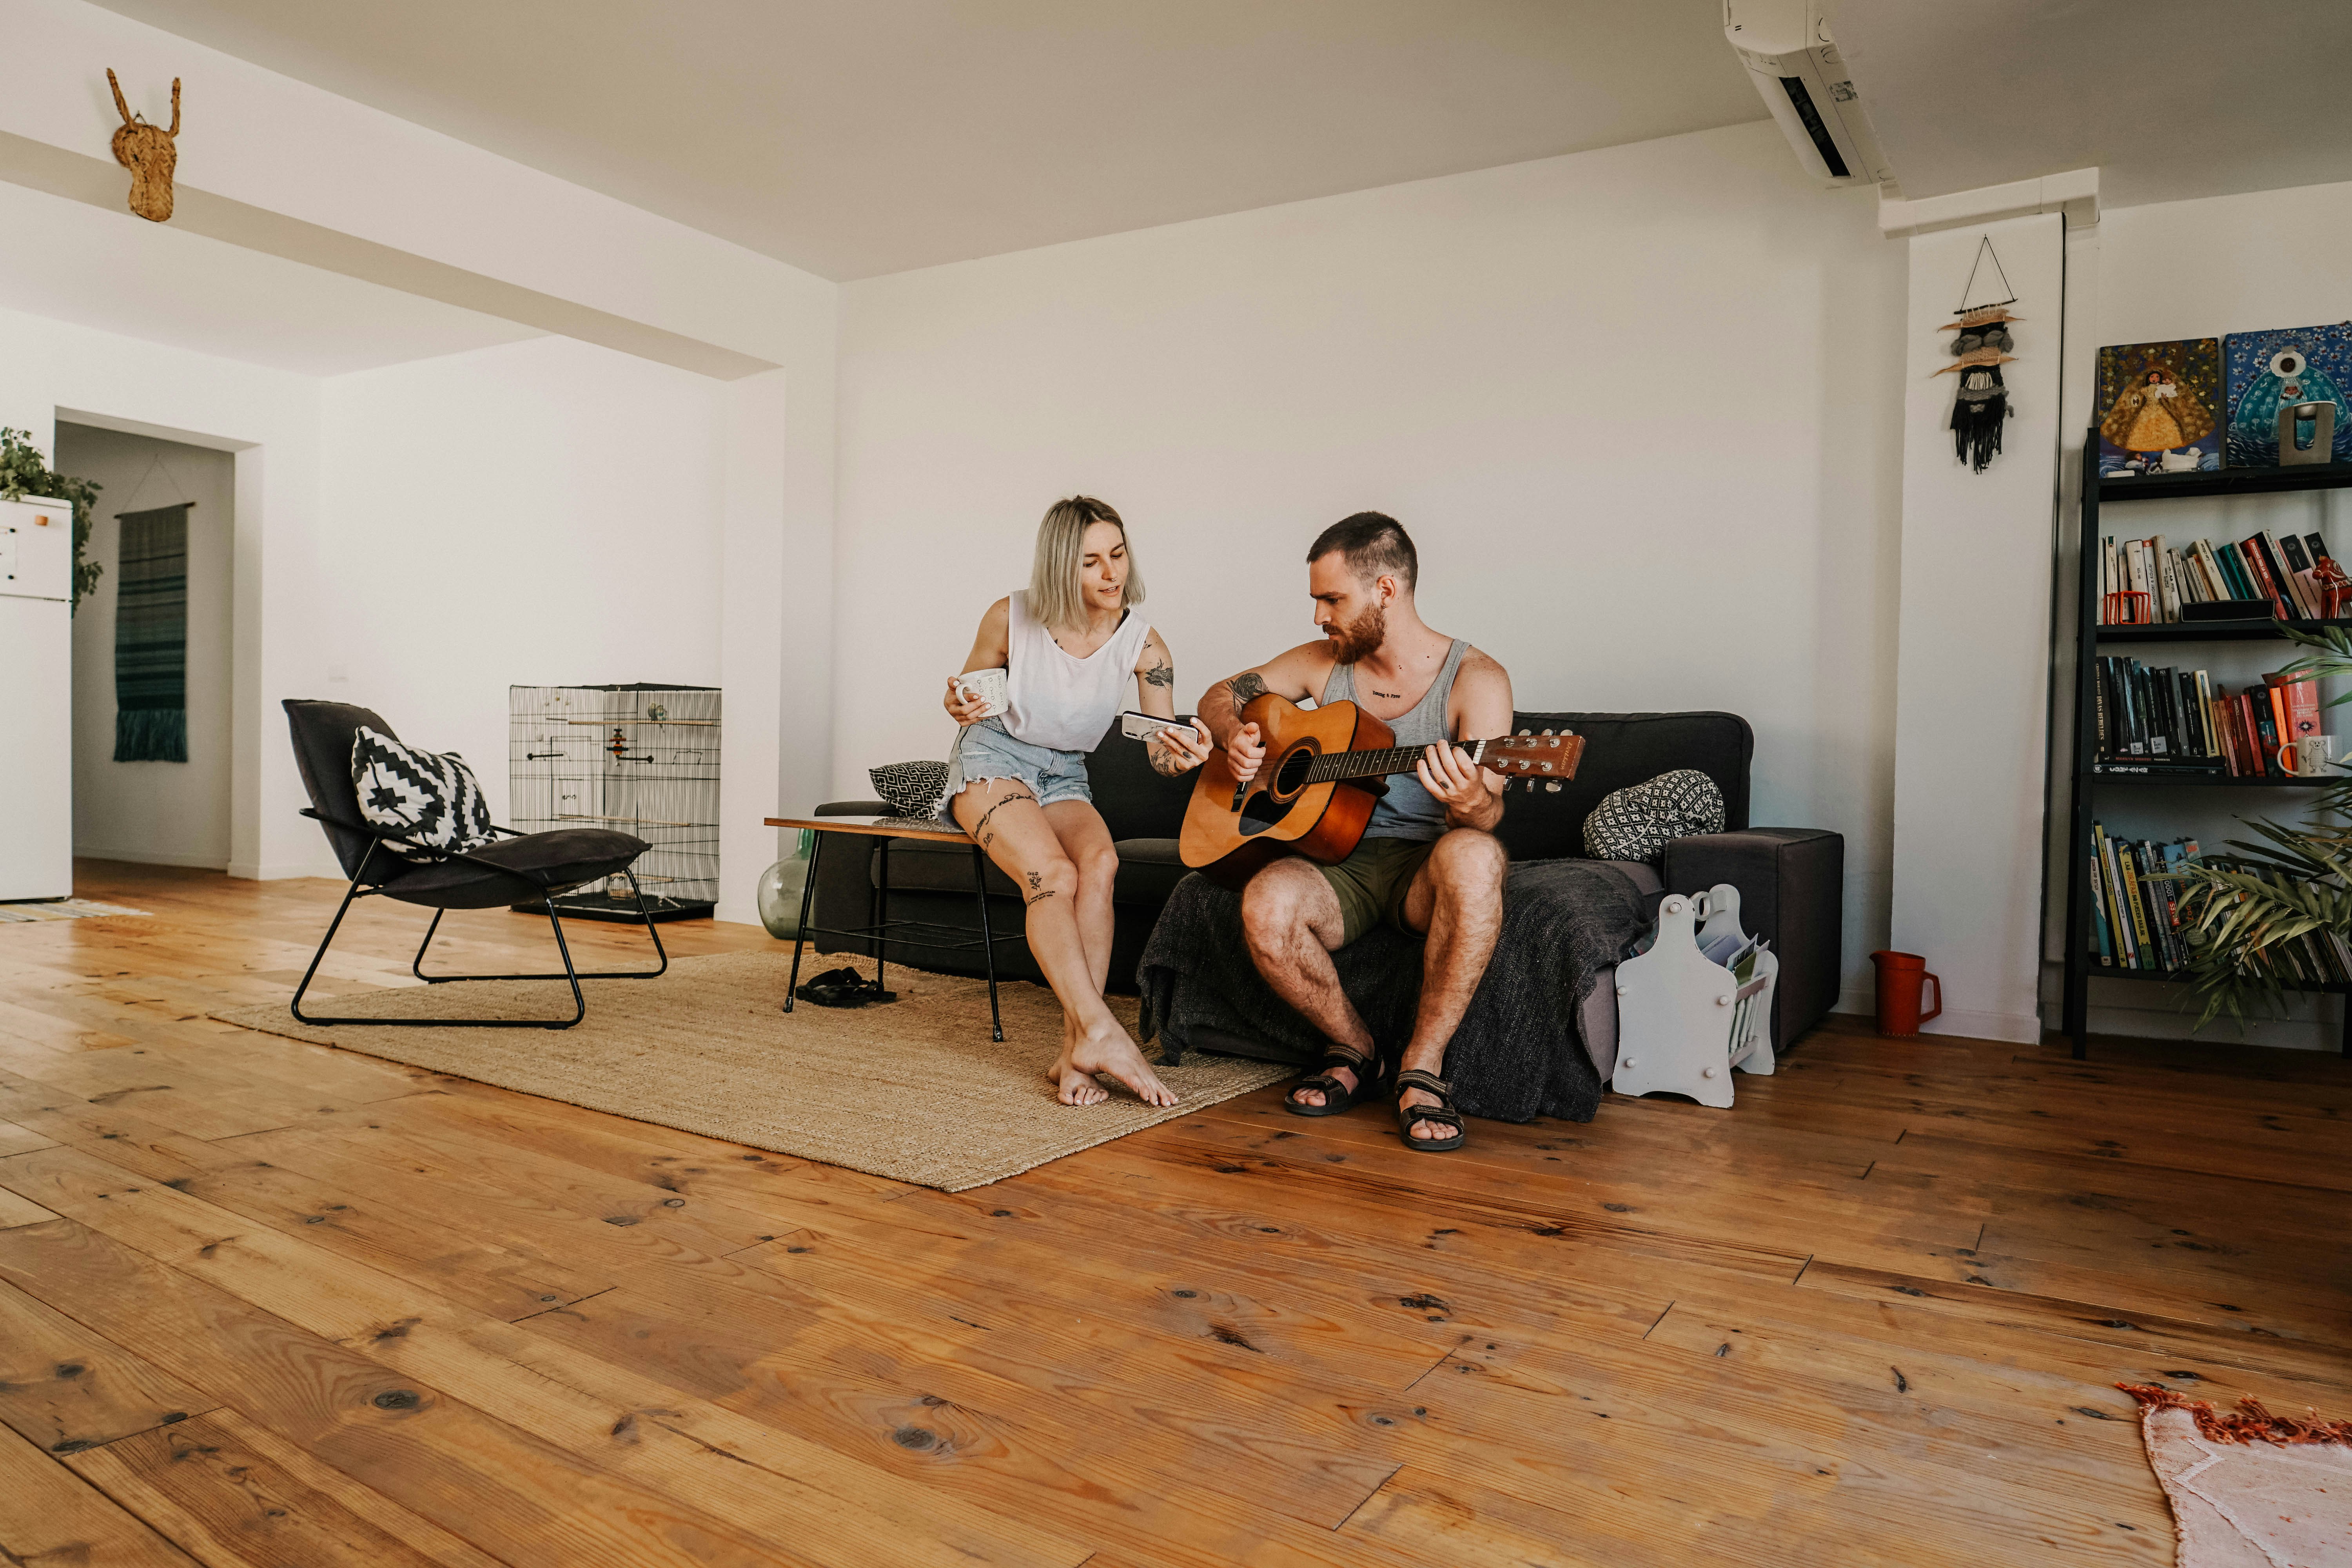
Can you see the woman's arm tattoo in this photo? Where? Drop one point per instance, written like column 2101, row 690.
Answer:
column 1161, row 674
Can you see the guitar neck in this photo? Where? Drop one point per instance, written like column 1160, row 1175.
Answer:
column 1333, row 765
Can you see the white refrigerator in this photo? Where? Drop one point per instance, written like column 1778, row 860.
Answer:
column 36, row 695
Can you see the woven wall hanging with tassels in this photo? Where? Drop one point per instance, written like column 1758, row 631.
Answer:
column 1980, row 345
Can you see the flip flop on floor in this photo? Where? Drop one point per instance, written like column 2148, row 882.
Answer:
column 1337, row 1096
column 1442, row 1114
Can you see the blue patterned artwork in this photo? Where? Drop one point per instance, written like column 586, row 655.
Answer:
column 2288, row 366
column 2160, row 407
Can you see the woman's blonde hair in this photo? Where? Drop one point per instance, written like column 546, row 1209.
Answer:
column 1053, row 596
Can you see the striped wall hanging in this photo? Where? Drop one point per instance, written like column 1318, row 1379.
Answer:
column 151, row 636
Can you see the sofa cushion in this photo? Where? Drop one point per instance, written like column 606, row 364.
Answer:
column 1149, row 871
column 1624, row 748
column 935, row 866
column 538, row 862
column 1135, row 801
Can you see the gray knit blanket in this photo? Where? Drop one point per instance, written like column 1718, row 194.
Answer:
column 1520, row 1052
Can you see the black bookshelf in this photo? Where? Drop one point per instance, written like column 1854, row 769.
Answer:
column 2089, row 777
column 2212, row 631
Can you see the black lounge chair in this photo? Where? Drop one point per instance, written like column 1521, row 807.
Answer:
column 520, row 868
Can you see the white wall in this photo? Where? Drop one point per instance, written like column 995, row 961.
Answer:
column 449, row 221
column 1640, row 407
column 2206, row 268
column 546, row 513
column 1973, row 676
column 168, row 814
column 269, row 419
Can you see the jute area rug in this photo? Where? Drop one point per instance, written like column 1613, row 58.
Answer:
column 912, row 1090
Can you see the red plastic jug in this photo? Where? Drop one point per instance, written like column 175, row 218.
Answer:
column 1901, row 976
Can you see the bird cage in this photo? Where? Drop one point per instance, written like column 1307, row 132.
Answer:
column 639, row 759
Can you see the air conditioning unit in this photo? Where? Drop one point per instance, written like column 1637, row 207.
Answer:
column 1786, row 47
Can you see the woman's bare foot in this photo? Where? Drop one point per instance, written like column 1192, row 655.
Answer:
column 1071, row 1086
column 1074, row 1087
column 1109, row 1050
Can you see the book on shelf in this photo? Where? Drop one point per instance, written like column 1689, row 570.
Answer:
column 2144, row 581
column 2172, row 722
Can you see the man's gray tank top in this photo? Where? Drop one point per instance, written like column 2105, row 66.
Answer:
column 1407, row 811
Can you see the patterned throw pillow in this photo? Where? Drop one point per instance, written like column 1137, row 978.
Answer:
column 428, row 797
column 1638, row 822
column 918, row 790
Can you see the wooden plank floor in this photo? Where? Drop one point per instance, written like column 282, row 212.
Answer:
column 264, row 1303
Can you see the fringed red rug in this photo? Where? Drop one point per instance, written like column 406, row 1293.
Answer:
column 2250, row 1490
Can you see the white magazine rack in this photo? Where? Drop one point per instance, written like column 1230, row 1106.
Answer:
column 1683, row 1018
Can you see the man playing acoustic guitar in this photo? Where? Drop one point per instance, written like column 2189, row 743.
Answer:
column 1429, row 862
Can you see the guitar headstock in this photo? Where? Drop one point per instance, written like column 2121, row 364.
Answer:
column 1548, row 756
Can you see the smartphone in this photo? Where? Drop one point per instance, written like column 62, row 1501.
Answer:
column 1143, row 726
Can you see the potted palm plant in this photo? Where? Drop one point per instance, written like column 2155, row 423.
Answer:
column 2247, row 914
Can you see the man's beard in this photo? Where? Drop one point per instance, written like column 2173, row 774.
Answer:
column 1360, row 636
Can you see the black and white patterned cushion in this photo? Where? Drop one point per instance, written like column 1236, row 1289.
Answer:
column 429, row 797
column 1638, row 822
column 918, row 790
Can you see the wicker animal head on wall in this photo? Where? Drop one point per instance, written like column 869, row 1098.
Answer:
column 150, row 153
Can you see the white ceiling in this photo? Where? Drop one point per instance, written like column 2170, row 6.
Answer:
column 2168, row 99
column 122, row 274
column 858, row 137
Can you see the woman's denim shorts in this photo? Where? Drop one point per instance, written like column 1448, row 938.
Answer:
column 986, row 750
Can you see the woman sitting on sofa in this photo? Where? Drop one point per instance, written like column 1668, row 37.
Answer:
column 1017, row 781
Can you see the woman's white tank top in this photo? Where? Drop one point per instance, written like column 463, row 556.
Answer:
column 1057, row 701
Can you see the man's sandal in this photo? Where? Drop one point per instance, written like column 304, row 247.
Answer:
column 1442, row 1114
column 1337, row 1096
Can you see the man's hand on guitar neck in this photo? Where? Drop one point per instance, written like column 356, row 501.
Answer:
column 1459, row 785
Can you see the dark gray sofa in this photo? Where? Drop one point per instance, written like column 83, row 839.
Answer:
column 1791, row 879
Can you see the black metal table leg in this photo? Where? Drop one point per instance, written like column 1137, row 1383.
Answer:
column 987, row 939
column 800, row 931
column 882, row 917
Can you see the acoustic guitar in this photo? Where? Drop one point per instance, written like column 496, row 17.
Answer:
column 1322, row 774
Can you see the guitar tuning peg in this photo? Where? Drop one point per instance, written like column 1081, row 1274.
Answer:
column 1546, row 731
column 1526, row 731
column 1551, row 786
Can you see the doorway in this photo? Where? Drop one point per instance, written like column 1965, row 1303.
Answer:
column 159, row 813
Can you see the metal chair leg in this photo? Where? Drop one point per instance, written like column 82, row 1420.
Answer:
column 644, row 914
column 579, row 1003
column 987, row 939
column 800, row 931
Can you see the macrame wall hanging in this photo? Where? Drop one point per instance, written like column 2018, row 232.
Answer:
column 149, row 152
column 1980, row 345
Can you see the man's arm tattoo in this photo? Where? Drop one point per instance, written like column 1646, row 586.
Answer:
column 1245, row 687
column 1161, row 674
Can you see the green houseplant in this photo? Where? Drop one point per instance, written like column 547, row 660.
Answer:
column 24, row 472
column 2245, row 913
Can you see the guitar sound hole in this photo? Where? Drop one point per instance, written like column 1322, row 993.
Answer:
column 1291, row 777
column 1260, row 812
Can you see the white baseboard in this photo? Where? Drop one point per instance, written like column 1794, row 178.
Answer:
column 153, row 858
column 2021, row 1030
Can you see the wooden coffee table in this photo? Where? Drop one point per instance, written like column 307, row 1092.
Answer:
column 879, row 927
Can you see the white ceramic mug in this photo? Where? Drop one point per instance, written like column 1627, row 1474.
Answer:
column 2306, row 754
column 988, row 685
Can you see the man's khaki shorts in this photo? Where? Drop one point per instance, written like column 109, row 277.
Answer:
column 1372, row 883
